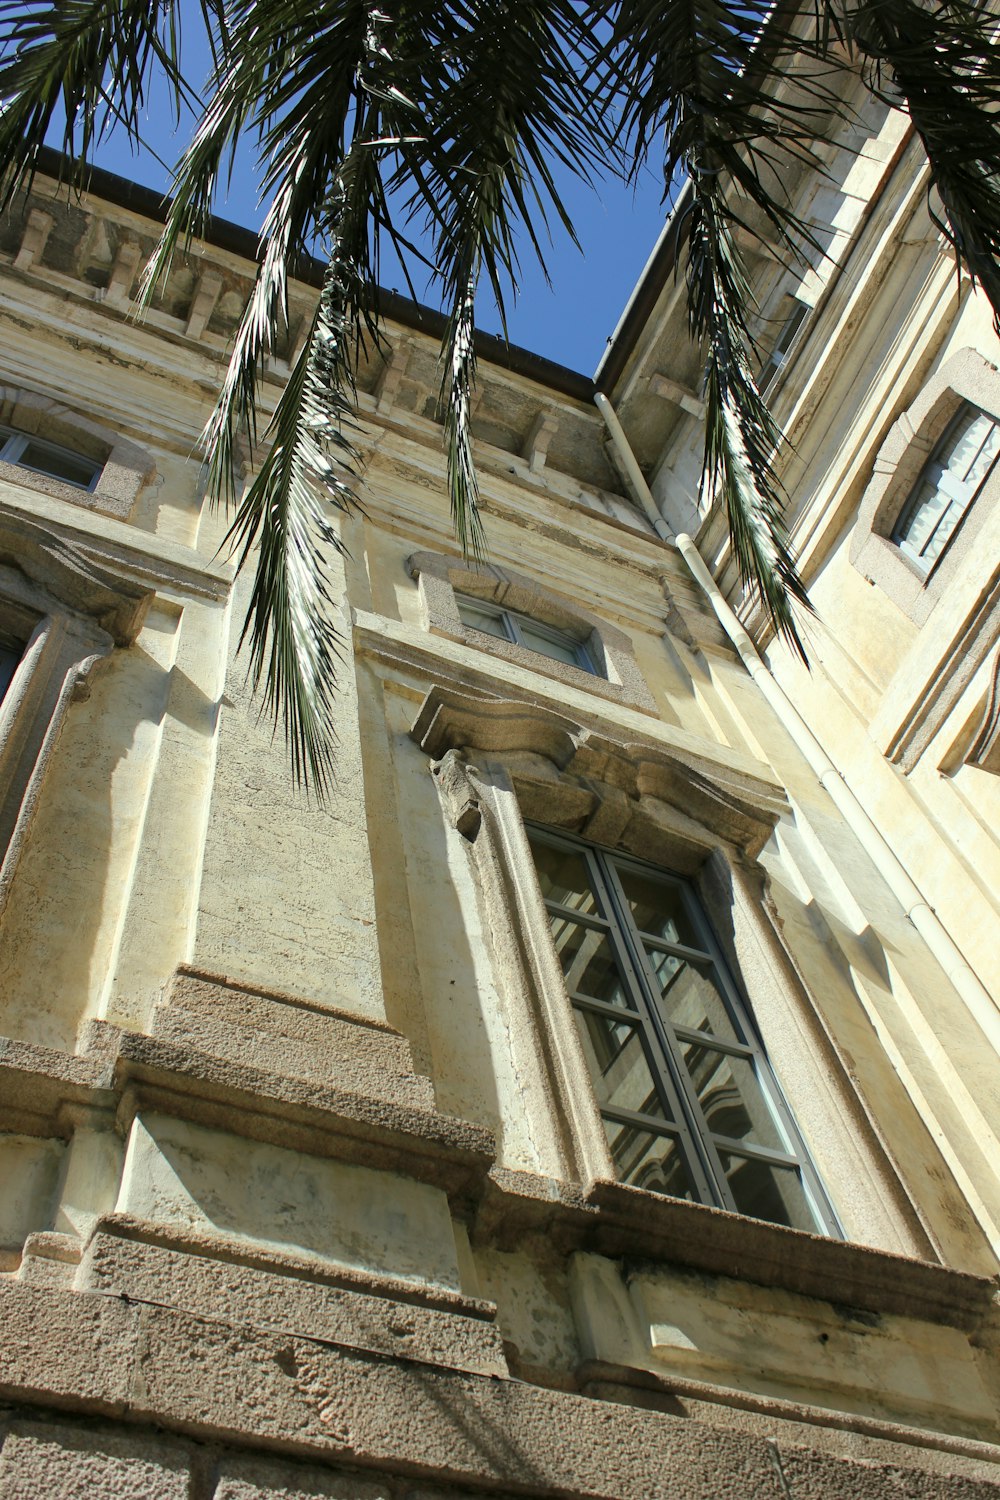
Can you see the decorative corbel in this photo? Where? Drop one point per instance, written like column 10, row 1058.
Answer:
column 458, row 794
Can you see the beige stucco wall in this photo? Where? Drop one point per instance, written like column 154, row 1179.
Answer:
column 295, row 1080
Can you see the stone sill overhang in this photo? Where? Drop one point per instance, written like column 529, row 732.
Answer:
column 121, row 1073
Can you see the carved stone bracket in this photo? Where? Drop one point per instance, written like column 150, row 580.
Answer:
column 571, row 774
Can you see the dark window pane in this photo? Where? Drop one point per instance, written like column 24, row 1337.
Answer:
column 552, row 644
column 618, row 1065
column 563, row 878
column 653, row 1162
column 588, row 963
column 768, row 1192
column 478, row 617
column 731, row 1099
column 658, row 909
column 690, row 995
column 8, row 666
column 70, row 467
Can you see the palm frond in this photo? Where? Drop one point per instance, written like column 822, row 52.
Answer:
column 92, row 61
column 943, row 64
column 504, row 105
column 688, row 74
column 283, row 522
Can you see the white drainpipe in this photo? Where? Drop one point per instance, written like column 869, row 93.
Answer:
column 624, row 450
column 967, row 983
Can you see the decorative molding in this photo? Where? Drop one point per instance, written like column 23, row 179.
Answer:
column 984, row 751
column 440, row 577
column 911, row 440
column 558, row 763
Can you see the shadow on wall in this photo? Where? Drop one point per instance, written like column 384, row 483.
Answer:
column 455, row 981
column 72, row 886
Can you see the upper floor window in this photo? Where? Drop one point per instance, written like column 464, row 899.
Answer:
column 509, row 625
column 688, row 1101
column 41, row 457
column 949, row 483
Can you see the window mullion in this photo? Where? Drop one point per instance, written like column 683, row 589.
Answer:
column 704, row 1168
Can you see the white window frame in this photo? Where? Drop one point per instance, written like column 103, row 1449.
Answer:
column 511, row 621
column 12, row 446
column 961, row 493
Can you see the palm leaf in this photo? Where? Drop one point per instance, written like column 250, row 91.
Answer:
column 688, row 74
column 943, row 64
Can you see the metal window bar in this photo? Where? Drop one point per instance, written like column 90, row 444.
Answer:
column 696, row 1095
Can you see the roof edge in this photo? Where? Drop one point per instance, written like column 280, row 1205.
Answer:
column 237, row 240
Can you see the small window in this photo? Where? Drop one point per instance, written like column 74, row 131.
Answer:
column 508, row 625
column 952, row 478
column 783, row 343
column 688, row 1101
column 29, row 452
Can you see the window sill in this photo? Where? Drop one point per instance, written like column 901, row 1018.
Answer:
column 614, row 1220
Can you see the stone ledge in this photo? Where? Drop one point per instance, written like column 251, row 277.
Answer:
column 302, row 1398
column 143, row 1263
column 618, row 1221
column 231, row 1020
column 841, row 1434
column 123, row 1072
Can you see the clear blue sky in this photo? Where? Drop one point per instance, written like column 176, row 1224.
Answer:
column 569, row 322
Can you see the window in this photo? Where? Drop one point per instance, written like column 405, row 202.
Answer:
column 29, row 452
column 11, row 652
column 934, row 484
column 952, row 478
column 509, row 625
column 689, row 1104
column 783, row 343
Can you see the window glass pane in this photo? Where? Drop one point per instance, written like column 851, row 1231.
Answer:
column 657, row 907
column 559, row 648
column 58, row 464
column 479, row 617
column 588, row 962
column 9, row 658
column 768, row 1192
column 975, row 448
column 618, row 1064
column 650, row 1161
column 564, row 878
column 690, row 995
column 956, row 472
column 731, row 1099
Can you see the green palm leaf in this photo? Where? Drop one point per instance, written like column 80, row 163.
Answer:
column 373, row 120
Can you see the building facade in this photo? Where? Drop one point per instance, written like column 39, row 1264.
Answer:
column 579, row 1101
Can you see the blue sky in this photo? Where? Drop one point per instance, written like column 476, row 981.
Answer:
column 569, row 322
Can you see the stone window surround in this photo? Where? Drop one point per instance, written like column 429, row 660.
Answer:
column 498, row 764
column 126, row 466
column 967, row 377
column 69, row 610
column 617, row 677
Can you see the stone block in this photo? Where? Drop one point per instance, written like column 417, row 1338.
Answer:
column 72, row 1464
column 814, row 1476
column 264, row 1479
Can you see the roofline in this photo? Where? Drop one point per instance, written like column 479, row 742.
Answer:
column 643, row 298
column 237, row 240
column 662, row 263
